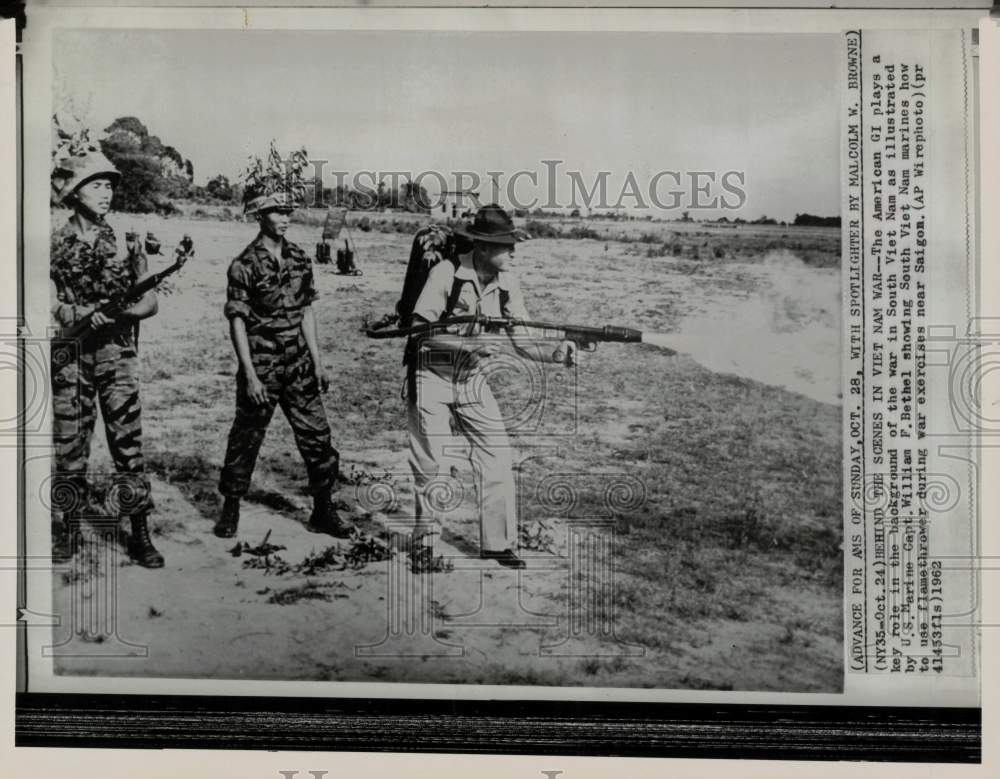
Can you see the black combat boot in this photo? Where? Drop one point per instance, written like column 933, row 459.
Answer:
column 140, row 545
column 325, row 519
column 422, row 559
column 230, row 519
column 62, row 542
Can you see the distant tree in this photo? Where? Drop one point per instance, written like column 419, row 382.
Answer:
column 336, row 196
column 575, row 213
column 220, row 188
column 189, row 170
column 413, row 197
column 127, row 131
column 152, row 173
column 172, row 161
column 141, row 187
column 808, row 220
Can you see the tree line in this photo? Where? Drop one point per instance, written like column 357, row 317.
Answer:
column 155, row 175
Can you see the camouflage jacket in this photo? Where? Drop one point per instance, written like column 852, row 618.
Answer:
column 85, row 274
column 270, row 294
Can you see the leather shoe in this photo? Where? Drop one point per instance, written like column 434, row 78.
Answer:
column 506, row 558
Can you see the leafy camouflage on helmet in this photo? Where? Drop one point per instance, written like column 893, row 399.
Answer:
column 274, row 183
column 75, row 161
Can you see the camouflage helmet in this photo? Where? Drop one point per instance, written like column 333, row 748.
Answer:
column 275, row 201
column 73, row 172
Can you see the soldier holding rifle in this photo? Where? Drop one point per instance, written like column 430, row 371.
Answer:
column 100, row 368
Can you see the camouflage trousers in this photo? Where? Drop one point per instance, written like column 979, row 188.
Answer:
column 85, row 376
column 284, row 366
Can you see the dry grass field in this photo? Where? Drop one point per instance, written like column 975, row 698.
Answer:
column 727, row 567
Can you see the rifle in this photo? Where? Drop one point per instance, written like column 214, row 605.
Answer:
column 114, row 307
column 586, row 338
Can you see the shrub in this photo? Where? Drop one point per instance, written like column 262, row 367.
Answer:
column 583, row 232
column 539, row 229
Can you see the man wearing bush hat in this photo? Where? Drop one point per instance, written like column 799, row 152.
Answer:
column 273, row 329
column 450, row 390
column 101, row 369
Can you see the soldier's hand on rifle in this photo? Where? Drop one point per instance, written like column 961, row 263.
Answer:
column 255, row 390
column 72, row 314
column 99, row 319
column 567, row 354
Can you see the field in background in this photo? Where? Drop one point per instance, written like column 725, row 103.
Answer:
column 728, row 573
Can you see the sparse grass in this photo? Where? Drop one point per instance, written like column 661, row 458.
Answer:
column 536, row 536
column 541, row 229
column 364, row 549
column 309, row 590
column 328, row 559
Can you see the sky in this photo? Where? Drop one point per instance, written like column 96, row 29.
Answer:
column 764, row 105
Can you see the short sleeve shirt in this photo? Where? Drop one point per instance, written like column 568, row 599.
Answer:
column 471, row 299
column 85, row 274
column 267, row 292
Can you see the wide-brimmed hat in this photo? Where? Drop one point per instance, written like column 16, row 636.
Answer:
column 74, row 171
column 492, row 225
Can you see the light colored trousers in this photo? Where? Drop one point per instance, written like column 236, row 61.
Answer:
column 452, row 422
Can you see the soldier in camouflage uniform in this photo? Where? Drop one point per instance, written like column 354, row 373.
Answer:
column 101, row 369
column 273, row 329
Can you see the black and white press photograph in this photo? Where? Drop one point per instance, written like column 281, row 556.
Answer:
column 445, row 358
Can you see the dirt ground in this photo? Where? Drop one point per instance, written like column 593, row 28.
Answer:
column 681, row 515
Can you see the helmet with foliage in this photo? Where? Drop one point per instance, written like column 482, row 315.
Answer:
column 274, row 184
column 75, row 161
